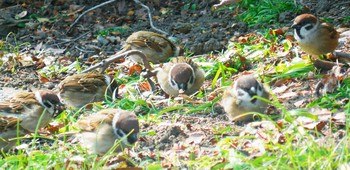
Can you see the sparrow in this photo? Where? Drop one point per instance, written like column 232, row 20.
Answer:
column 314, row 37
column 26, row 111
column 100, row 131
column 156, row 47
column 238, row 98
column 181, row 75
column 80, row 89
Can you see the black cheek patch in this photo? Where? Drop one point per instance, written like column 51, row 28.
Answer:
column 253, row 100
column 173, row 82
column 309, row 27
column 47, row 104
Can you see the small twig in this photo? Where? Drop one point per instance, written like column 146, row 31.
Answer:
column 150, row 17
column 83, row 50
column 72, row 40
column 147, row 75
column 342, row 57
column 343, row 3
column 225, row 3
column 152, row 84
column 105, row 63
column 93, row 8
column 342, row 54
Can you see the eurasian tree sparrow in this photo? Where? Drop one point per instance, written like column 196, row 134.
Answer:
column 181, row 75
column 314, row 37
column 100, row 131
column 80, row 89
column 238, row 98
column 156, row 47
column 29, row 110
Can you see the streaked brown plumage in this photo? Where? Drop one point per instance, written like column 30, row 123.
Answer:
column 28, row 110
column 80, row 89
column 101, row 130
column 156, row 47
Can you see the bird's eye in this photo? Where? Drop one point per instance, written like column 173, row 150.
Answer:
column 309, row 27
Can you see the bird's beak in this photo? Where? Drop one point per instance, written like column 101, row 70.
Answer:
column 59, row 108
column 132, row 138
column 181, row 91
column 183, row 86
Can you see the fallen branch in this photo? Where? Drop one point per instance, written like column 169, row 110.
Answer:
column 105, row 63
column 93, row 8
column 342, row 55
column 72, row 40
column 224, row 3
column 325, row 65
column 150, row 17
column 110, row 1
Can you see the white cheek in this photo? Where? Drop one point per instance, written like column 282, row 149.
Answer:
column 39, row 98
column 124, row 141
column 245, row 98
column 296, row 35
column 308, row 35
column 304, row 33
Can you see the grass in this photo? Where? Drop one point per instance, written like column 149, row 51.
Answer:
column 265, row 11
column 275, row 143
column 10, row 53
column 261, row 13
column 289, row 146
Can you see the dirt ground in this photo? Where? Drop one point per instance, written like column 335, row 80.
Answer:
column 202, row 31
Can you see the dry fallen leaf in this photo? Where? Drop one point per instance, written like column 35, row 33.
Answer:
column 276, row 32
column 144, row 86
column 287, row 95
column 323, row 117
column 329, row 82
column 289, row 37
column 54, row 127
column 135, row 68
column 195, row 138
column 43, row 79
column 156, row 17
column 339, row 119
